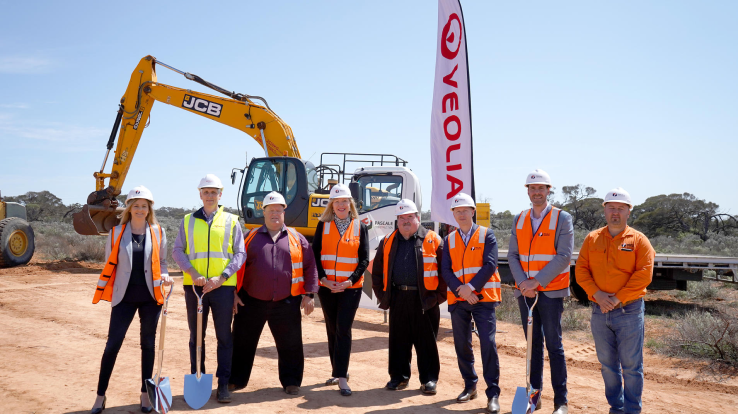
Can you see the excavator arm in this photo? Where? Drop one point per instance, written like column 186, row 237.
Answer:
column 239, row 111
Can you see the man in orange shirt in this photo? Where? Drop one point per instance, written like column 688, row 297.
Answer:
column 615, row 266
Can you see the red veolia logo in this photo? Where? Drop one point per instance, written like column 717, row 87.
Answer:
column 451, row 35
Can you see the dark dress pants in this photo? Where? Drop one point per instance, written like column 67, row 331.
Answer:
column 285, row 323
column 339, row 310
column 121, row 317
column 220, row 302
column 409, row 326
column 485, row 319
column 546, row 325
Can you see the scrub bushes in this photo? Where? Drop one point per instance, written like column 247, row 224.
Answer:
column 705, row 335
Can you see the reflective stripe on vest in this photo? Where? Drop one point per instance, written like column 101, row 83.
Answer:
column 339, row 255
column 210, row 247
column 467, row 260
column 537, row 250
column 297, row 282
column 430, row 262
column 106, row 282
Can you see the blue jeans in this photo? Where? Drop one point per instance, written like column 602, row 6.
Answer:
column 486, row 323
column 618, row 337
column 546, row 325
column 220, row 302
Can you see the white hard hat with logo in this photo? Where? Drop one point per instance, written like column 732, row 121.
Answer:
column 462, row 200
column 140, row 192
column 340, row 191
column 618, row 195
column 405, row 206
column 274, row 198
column 538, row 177
column 210, row 181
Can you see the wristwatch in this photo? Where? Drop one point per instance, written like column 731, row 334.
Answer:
column 310, row 295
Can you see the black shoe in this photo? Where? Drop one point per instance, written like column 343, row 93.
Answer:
column 234, row 387
column 396, row 385
column 346, row 392
column 292, row 389
column 429, row 388
column 467, row 395
column 493, row 405
column 334, row 380
column 223, row 395
column 99, row 409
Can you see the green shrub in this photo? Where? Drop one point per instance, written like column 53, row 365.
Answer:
column 703, row 290
column 705, row 335
column 575, row 317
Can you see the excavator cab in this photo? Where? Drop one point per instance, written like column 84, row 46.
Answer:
column 294, row 178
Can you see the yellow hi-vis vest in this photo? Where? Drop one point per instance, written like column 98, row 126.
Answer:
column 339, row 255
column 210, row 248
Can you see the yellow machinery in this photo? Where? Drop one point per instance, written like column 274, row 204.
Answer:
column 17, row 242
column 379, row 181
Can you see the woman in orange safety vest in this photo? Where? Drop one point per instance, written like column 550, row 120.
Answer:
column 341, row 249
column 136, row 267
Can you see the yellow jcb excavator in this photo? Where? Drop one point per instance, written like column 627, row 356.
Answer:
column 377, row 181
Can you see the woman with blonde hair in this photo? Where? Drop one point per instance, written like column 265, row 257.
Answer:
column 341, row 249
column 136, row 267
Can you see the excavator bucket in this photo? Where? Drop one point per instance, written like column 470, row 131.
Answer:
column 95, row 219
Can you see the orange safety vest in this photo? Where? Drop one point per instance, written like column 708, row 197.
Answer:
column 106, row 282
column 537, row 250
column 298, row 282
column 467, row 260
column 339, row 255
column 430, row 263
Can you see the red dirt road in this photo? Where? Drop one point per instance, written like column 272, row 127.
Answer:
column 52, row 339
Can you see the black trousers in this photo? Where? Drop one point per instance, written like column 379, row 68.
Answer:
column 339, row 310
column 120, row 319
column 409, row 326
column 220, row 302
column 285, row 323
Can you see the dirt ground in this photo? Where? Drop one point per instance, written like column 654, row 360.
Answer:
column 52, row 339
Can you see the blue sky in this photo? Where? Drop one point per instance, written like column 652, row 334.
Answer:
column 642, row 95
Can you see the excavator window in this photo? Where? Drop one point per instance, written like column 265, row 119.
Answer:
column 379, row 191
column 265, row 176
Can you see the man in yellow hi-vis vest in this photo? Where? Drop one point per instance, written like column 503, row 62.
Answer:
column 209, row 249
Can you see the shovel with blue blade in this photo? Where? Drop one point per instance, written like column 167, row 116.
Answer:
column 526, row 398
column 198, row 387
column 158, row 388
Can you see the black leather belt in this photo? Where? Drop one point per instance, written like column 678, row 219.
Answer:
column 405, row 287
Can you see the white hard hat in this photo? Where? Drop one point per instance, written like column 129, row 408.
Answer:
column 274, row 198
column 210, row 181
column 538, row 177
column 405, row 206
column 140, row 192
column 462, row 200
column 618, row 195
column 340, row 191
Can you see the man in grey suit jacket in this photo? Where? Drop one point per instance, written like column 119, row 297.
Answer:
column 539, row 255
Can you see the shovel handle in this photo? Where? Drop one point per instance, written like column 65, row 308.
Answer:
column 199, row 331
column 529, row 335
column 162, row 329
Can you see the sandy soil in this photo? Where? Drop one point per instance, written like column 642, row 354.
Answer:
column 52, row 338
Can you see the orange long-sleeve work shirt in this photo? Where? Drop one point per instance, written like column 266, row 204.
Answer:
column 622, row 265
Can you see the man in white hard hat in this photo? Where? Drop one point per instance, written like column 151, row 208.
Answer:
column 405, row 281
column 615, row 266
column 539, row 255
column 278, row 278
column 209, row 250
column 469, row 268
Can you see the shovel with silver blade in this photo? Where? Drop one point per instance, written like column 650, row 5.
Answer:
column 198, row 387
column 158, row 388
column 526, row 398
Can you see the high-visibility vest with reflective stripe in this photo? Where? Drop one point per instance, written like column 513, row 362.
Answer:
column 298, row 282
column 467, row 260
column 430, row 263
column 210, row 248
column 537, row 250
column 106, row 282
column 339, row 255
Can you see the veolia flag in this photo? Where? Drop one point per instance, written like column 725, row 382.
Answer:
column 451, row 135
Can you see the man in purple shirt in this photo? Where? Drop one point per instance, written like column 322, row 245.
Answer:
column 265, row 294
